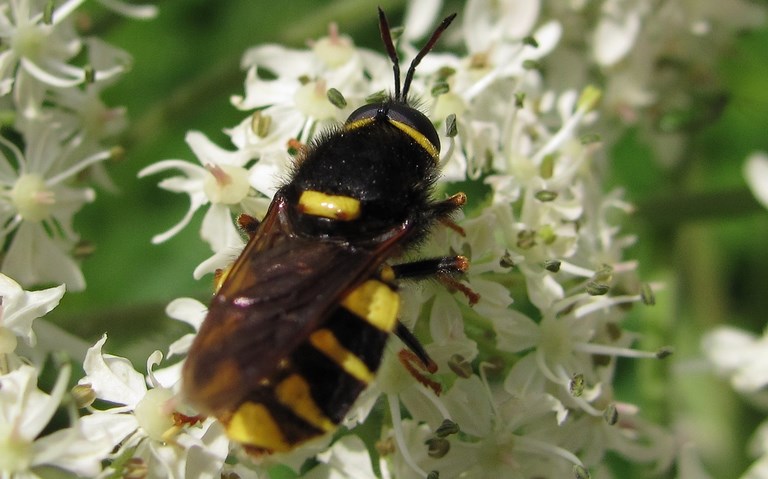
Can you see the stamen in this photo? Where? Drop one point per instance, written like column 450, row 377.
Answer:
column 436, row 402
column 447, row 428
column 394, row 411
column 567, row 129
column 484, row 367
column 527, row 443
column 599, row 303
column 611, row 414
column 541, row 362
column 603, row 349
column 437, row 447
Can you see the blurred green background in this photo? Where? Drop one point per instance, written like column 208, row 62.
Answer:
column 699, row 229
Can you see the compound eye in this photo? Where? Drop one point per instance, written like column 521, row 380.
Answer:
column 366, row 111
column 415, row 119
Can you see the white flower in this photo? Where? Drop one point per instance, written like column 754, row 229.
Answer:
column 146, row 419
column 296, row 102
column 348, row 458
column 37, row 206
column 483, row 85
column 756, row 174
column 24, row 413
column 41, row 48
column 546, row 258
column 689, row 464
column 617, row 31
column 758, row 447
column 740, row 356
column 80, row 110
column 488, row 24
column 192, row 312
column 519, row 440
column 224, row 180
column 630, row 435
column 18, row 308
column 141, row 12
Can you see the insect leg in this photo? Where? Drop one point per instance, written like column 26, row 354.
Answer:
column 429, row 268
column 407, row 337
column 443, row 269
column 248, row 223
column 443, row 209
column 410, row 361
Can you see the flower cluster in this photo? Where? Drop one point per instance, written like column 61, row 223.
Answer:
column 657, row 62
column 738, row 355
column 56, row 128
column 25, row 410
column 527, row 372
column 526, row 343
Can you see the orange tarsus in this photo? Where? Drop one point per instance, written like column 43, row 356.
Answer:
column 455, row 285
column 180, row 419
column 248, row 223
column 452, row 225
column 411, row 362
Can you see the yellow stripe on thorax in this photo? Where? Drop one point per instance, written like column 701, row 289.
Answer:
column 253, row 425
column 374, row 302
column 335, row 207
column 419, row 138
column 325, row 342
column 293, row 392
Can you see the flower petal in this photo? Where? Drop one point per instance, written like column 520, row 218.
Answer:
column 756, row 174
column 112, row 378
column 35, row 258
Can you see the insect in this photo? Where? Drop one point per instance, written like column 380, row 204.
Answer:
column 299, row 323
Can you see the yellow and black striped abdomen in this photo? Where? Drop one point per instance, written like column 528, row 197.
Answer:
column 314, row 387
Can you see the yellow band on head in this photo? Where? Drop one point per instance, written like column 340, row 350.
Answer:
column 408, row 130
column 374, row 302
column 335, row 207
column 359, row 123
column 419, row 138
column 253, row 425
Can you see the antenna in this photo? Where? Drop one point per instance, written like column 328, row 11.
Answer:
column 386, row 36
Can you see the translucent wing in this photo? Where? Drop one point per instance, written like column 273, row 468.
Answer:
column 281, row 289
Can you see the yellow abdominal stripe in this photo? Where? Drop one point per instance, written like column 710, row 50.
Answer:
column 376, row 303
column 335, row 207
column 293, row 392
column 325, row 342
column 252, row 424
